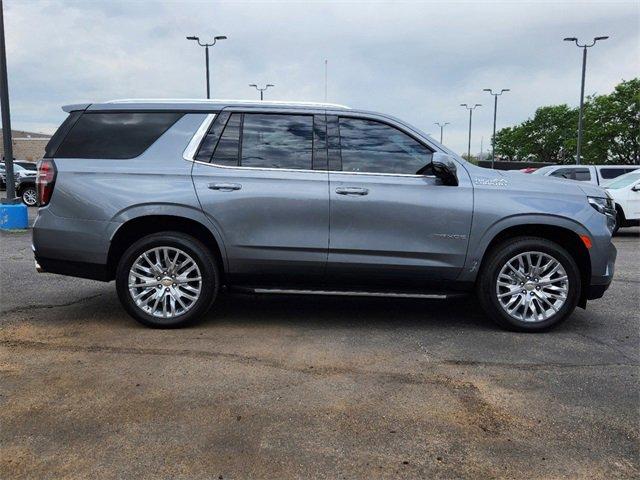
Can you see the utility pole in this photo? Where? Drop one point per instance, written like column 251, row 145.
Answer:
column 471, row 109
column 6, row 117
column 206, row 55
column 584, row 68
column 261, row 90
column 495, row 112
column 441, row 128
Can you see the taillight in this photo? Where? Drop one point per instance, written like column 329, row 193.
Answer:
column 45, row 181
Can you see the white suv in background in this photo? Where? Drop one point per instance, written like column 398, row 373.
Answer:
column 597, row 174
column 625, row 191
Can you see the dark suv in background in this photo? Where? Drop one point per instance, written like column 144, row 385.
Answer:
column 175, row 199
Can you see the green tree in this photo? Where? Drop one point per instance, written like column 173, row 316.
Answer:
column 612, row 125
column 611, row 131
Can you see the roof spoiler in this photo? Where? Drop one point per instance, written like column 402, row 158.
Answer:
column 75, row 107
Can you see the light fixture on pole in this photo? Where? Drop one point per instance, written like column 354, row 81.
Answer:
column 495, row 110
column 206, row 55
column 441, row 125
column 584, row 67
column 471, row 109
column 261, row 90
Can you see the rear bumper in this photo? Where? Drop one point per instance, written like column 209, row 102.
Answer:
column 73, row 247
column 92, row 271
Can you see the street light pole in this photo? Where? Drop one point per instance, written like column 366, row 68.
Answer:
column 441, row 128
column 584, row 69
column 261, row 90
column 471, row 109
column 206, row 55
column 6, row 117
column 495, row 113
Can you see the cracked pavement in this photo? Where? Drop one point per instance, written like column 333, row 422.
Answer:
column 312, row 387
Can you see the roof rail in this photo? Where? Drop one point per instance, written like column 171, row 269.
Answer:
column 229, row 101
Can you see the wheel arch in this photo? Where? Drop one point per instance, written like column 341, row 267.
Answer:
column 562, row 234
column 140, row 226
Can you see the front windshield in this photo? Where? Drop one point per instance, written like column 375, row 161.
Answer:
column 623, row 181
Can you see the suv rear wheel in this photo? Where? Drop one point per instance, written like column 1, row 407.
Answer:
column 167, row 280
column 529, row 284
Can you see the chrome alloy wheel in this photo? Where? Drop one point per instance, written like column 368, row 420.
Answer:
column 532, row 286
column 30, row 197
column 165, row 282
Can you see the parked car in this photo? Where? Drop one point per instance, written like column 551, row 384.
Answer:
column 597, row 174
column 528, row 169
column 25, row 182
column 625, row 191
column 3, row 176
column 175, row 199
column 27, row 165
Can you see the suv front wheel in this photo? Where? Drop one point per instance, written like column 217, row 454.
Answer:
column 529, row 284
column 167, row 280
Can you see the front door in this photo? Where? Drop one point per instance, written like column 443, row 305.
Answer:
column 255, row 179
column 392, row 228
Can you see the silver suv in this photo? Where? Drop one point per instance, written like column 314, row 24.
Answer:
column 175, row 199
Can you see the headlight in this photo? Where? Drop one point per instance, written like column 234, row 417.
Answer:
column 606, row 207
column 603, row 205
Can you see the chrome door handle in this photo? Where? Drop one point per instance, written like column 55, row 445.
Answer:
column 352, row 191
column 225, row 187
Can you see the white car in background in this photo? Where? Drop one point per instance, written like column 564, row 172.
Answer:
column 625, row 191
column 597, row 174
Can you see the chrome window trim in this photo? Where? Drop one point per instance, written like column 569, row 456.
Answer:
column 310, row 171
column 192, row 148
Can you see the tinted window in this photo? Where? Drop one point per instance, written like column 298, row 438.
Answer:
column 210, row 140
column 369, row 146
column 608, row 173
column 581, row 174
column 114, row 135
column 56, row 139
column 277, row 141
column 226, row 152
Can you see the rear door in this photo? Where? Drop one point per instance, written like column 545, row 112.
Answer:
column 391, row 228
column 265, row 188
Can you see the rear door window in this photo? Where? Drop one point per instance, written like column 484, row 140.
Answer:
column 114, row 135
column 226, row 152
column 277, row 141
column 609, row 173
column 580, row 174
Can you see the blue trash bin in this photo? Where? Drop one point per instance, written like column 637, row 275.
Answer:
column 13, row 217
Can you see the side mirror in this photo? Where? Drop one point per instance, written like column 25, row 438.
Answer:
column 444, row 168
column 636, row 188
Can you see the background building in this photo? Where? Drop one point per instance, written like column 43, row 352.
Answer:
column 27, row 145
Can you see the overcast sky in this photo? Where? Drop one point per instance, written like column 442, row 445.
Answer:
column 415, row 60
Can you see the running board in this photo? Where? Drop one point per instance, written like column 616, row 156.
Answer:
column 279, row 291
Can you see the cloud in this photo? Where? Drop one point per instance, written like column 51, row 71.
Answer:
column 415, row 60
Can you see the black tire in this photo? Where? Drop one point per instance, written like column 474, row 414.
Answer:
column 620, row 220
column 29, row 196
column 486, row 287
column 201, row 255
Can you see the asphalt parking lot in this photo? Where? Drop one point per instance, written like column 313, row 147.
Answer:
column 312, row 387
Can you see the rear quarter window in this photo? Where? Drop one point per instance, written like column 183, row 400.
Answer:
column 609, row 173
column 114, row 135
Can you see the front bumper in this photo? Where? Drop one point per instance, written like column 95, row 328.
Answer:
column 600, row 283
